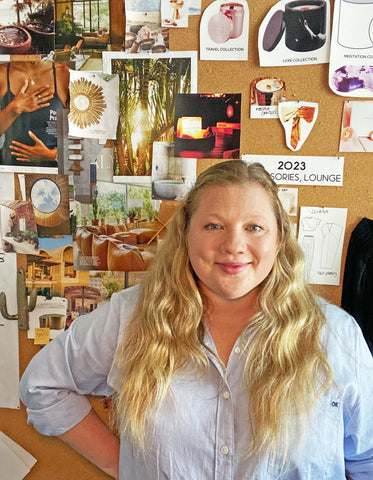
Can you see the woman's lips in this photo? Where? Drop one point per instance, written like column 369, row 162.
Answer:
column 233, row 268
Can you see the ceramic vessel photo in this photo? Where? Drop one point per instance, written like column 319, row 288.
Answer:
column 305, row 25
column 269, row 91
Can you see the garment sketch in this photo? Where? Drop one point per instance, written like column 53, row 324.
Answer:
column 331, row 233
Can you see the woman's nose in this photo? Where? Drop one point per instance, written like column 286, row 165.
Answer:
column 233, row 241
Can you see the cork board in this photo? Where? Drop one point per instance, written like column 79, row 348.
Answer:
column 266, row 136
column 263, row 137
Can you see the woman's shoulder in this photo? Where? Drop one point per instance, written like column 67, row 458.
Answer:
column 337, row 318
column 341, row 333
column 124, row 301
column 128, row 294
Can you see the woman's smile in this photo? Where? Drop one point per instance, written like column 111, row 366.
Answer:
column 233, row 268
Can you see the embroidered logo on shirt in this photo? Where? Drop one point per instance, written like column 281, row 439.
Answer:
column 335, row 404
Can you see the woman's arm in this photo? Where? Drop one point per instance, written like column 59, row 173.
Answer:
column 358, row 443
column 95, row 441
column 78, row 362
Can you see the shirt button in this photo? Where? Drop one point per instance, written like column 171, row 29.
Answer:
column 224, row 450
column 226, row 395
column 237, row 350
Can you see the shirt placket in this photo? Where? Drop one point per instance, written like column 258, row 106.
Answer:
column 224, row 442
column 224, row 439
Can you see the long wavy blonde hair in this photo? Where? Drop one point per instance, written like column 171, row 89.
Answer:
column 286, row 369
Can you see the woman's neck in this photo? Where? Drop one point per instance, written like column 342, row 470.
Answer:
column 226, row 321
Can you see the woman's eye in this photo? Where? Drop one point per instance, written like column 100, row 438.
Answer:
column 255, row 228
column 212, row 226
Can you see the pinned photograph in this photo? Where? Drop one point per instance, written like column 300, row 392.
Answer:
column 289, row 199
column 85, row 29
column 350, row 73
column 146, row 113
column 18, row 227
column 175, row 13
column 51, row 270
column 120, row 233
column 298, row 119
column 295, row 33
column 144, row 31
column 266, row 94
column 49, row 196
column 80, row 158
column 38, row 89
column 172, row 177
column 224, row 31
column 50, row 313
column 356, row 128
column 208, row 125
column 26, row 27
column 94, row 105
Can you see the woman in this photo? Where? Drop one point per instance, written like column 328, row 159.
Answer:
column 31, row 92
column 223, row 363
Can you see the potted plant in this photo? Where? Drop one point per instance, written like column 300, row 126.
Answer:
column 40, row 25
column 102, row 215
column 68, row 32
column 14, row 40
column 132, row 214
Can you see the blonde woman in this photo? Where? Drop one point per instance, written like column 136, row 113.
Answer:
column 222, row 363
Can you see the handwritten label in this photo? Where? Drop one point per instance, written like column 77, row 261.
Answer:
column 270, row 111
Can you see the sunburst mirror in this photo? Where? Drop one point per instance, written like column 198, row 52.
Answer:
column 87, row 103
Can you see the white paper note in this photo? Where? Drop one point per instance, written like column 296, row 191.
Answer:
column 9, row 363
column 15, row 462
column 9, row 366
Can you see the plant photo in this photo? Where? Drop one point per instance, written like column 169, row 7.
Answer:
column 26, row 27
column 147, row 89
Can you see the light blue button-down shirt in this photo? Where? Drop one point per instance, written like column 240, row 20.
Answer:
column 202, row 431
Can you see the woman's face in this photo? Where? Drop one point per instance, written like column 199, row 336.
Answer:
column 232, row 240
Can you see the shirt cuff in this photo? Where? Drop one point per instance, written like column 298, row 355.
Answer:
column 60, row 417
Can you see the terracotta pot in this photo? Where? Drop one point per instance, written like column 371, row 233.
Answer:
column 42, row 37
column 14, row 40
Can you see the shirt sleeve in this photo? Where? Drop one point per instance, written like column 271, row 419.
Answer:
column 358, row 442
column 76, row 363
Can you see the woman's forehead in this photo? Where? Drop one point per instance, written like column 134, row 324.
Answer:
column 241, row 197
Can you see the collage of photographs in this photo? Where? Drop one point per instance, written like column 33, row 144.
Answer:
column 80, row 132
column 103, row 127
column 102, row 124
